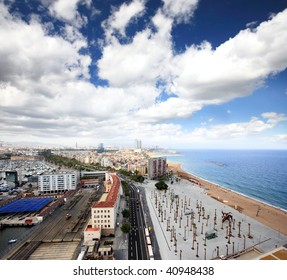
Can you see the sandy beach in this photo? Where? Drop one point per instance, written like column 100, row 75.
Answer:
column 270, row 216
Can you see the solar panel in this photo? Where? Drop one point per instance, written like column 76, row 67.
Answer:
column 25, row 205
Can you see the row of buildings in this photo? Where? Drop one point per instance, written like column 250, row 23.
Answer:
column 50, row 180
column 133, row 160
column 61, row 182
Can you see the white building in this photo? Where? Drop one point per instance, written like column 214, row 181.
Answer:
column 156, row 167
column 106, row 162
column 104, row 212
column 55, row 183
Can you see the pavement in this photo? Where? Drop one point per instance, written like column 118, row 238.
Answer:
column 181, row 236
column 120, row 245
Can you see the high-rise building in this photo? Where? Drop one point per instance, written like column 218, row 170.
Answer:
column 156, row 167
column 100, row 148
column 138, row 144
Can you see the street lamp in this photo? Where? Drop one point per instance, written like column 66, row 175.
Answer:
column 197, row 250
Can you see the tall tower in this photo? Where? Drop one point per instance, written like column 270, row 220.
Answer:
column 138, row 144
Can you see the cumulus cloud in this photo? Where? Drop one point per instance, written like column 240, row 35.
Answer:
column 200, row 74
column 141, row 61
column 67, row 10
column 46, row 89
column 180, row 10
column 170, row 109
column 122, row 16
column 237, row 67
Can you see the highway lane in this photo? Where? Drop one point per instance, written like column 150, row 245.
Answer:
column 137, row 242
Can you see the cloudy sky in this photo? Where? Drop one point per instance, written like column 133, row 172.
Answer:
column 178, row 74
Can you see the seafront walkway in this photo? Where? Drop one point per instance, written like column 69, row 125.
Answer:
column 185, row 214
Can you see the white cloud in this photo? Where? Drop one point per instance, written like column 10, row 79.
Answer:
column 239, row 130
column 36, row 64
column 170, row 109
column 199, row 74
column 45, row 88
column 67, row 10
column 280, row 138
column 180, row 10
column 142, row 61
column 122, row 16
column 236, row 68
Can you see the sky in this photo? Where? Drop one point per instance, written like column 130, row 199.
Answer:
column 175, row 74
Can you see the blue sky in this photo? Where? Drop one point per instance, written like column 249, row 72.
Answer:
column 177, row 74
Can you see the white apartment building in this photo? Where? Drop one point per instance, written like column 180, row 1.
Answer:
column 104, row 212
column 156, row 167
column 57, row 183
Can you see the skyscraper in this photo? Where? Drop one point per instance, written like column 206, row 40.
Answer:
column 138, row 144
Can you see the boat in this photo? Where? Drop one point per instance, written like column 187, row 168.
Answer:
column 11, row 241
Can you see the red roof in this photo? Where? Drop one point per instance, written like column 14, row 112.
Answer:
column 112, row 196
column 90, row 228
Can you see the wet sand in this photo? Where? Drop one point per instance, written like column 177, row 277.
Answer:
column 272, row 217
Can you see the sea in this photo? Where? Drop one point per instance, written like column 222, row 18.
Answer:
column 259, row 174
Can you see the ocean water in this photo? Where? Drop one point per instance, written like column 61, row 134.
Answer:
column 260, row 174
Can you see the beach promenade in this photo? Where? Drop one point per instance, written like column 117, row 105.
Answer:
column 266, row 214
column 187, row 221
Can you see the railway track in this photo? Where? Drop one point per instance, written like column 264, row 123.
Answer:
column 26, row 250
column 56, row 228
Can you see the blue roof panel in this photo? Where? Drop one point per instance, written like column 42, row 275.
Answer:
column 25, row 205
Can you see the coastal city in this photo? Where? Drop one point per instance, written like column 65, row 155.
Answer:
column 108, row 203
column 143, row 139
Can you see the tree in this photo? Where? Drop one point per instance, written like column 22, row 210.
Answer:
column 126, row 213
column 137, row 178
column 126, row 227
column 161, row 185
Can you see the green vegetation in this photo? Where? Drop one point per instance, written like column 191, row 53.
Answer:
column 126, row 227
column 125, row 188
column 133, row 176
column 126, row 213
column 137, row 178
column 161, row 185
column 72, row 163
column 164, row 177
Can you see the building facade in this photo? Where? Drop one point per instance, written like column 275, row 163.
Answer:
column 57, row 183
column 138, row 144
column 156, row 167
column 104, row 212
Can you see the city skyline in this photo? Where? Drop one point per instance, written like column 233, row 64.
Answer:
column 177, row 74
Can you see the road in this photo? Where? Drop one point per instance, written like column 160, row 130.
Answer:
column 137, row 241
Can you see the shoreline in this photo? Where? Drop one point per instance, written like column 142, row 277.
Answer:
column 271, row 216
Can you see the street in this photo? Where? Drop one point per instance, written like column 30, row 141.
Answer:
column 137, row 240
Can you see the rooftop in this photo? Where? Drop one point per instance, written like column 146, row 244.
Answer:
column 109, row 200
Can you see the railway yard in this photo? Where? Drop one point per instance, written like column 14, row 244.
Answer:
column 59, row 235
